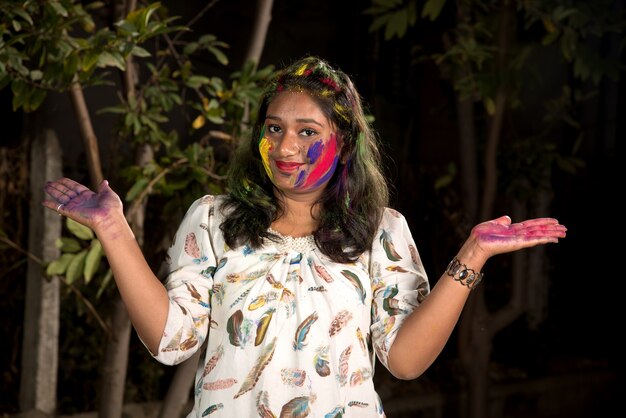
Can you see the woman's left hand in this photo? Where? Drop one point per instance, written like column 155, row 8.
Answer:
column 501, row 236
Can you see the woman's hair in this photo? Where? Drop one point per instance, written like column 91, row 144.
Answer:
column 353, row 200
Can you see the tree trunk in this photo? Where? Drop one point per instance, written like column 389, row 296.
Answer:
column 259, row 33
column 40, row 347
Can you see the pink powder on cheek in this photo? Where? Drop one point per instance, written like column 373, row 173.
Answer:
column 326, row 164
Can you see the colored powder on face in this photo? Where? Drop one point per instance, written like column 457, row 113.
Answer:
column 326, row 164
column 265, row 147
column 300, row 179
column 314, row 151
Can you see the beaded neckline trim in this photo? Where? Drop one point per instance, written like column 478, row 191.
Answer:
column 299, row 244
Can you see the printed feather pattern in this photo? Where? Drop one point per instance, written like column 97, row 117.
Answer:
column 233, row 326
column 388, row 246
column 340, row 321
column 359, row 336
column 219, row 384
column 302, row 331
column 344, row 358
column 353, row 278
column 323, row 273
column 262, row 326
column 255, row 373
column 320, row 360
column 293, row 377
column 415, row 258
column 191, row 245
column 299, row 407
column 358, row 404
column 360, row 376
column 262, row 405
column 337, row 412
column 212, row 409
column 210, row 365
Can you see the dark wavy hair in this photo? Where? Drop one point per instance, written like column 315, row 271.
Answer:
column 355, row 197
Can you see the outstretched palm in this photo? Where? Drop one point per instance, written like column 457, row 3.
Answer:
column 79, row 203
column 501, row 236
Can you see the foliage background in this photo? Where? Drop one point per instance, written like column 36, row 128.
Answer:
column 585, row 291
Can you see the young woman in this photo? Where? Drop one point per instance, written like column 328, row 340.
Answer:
column 301, row 274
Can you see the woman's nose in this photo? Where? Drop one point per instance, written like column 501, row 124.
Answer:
column 288, row 145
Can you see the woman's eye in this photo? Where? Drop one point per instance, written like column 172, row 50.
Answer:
column 273, row 128
column 309, row 132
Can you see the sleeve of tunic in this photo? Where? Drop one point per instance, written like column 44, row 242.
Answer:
column 399, row 282
column 190, row 264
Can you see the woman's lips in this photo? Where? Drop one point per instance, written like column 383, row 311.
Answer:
column 286, row 166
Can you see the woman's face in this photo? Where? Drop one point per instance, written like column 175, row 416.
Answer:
column 299, row 144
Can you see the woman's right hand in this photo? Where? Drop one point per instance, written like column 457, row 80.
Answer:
column 81, row 204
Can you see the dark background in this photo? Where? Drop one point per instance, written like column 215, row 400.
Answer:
column 581, row 331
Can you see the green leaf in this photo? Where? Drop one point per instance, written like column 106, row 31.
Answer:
column 432, row 8
column 58, row 266
column 22, row 13
column 17, row 25
column 68, row 245
column 137, row 188
column 105, row 281
column 221, row 57
column 36, row 75
column 92, row 261
column 197, row 81
column 190, row 48
column 140, row 52
column 75, row 267
column 79, row 230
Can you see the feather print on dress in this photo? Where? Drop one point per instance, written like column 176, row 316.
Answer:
column 337, row 412
column 388, row 246
column 358, row 404
column 340, row 321
column 320, row 361
column 293, row 377
column 299, row 407
column 398, row 269
column 344, row 358
column 233, row 327
column 212, row 409
column 192, row 291
column 354, row 279
column 189, row 343
column 253, row 376
column 415, row 258
column 210, row 365
column 359, row 336
column 262, row 326
column 323, row 273
column 192, row 249
column 359, row 376
column 174, row 343
column 219, row 384
column 262, row 405
column 303, row 330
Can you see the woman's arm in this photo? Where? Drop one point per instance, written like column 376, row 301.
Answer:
column 143, row 294
column 424, row 333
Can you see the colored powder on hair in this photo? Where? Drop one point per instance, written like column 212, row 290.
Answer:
column 300, row 71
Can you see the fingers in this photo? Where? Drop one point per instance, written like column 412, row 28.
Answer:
column 503, row 220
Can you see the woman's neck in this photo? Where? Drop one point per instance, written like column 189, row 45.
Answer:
column 299, row 215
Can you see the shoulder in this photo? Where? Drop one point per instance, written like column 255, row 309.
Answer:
column 205, row 206
column 391, row 218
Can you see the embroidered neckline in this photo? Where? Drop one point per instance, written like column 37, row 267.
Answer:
column 287, row 242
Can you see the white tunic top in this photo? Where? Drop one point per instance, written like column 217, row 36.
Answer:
column 289, row 332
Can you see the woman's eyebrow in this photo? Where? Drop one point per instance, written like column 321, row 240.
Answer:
column 299, row 120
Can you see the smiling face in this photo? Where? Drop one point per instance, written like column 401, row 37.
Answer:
column 299, row 145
